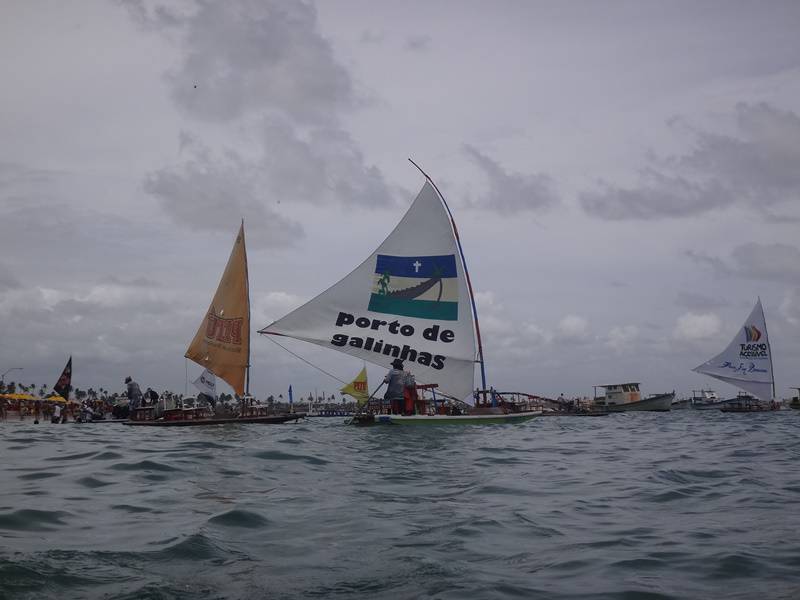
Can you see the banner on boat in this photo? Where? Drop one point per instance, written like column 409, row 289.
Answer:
column 408, row 300
column 206, row 383
column 747, row 361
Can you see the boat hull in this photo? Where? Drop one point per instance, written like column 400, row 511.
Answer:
column 710, row 405
column 585, row 413
column 657, row 403
column 267, row 420
column 749, row 407
column 476, row 419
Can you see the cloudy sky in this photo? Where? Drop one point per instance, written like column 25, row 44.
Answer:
column 625, row 177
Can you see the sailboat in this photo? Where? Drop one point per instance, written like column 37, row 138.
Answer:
column 411, row 300
column 222, row 347
column 747, row 364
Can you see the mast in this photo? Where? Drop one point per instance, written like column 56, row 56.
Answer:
column 769, row 349
column 247, row 288
column 466, row 273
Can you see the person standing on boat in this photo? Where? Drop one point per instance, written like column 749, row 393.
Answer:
column 134, row 394
column 395, row 385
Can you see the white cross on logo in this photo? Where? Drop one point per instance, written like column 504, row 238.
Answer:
column 416, row 264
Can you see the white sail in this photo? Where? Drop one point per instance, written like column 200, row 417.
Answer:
column 206, row 383
column 408, row 300
column 747, row 361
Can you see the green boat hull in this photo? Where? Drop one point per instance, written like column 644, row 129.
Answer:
column 487, row 419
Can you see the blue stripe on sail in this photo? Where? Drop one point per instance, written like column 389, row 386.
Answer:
column 417, row 266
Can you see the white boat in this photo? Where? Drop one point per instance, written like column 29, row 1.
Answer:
column 624, row 397
column 746, row 363
column 706, row 400
column 411, row 300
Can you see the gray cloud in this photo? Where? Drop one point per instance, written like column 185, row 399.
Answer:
column 768, row 262
column 699, row 302
column 657, row 195
column 512, row 192
column 418, row 43
column 252, row 56
column 761, row 163
column 372, row 37
column 756, row 168
column 213, row 195
column 211, row 192
column 324, row 165
column 262, row 63
column 14, row 177
column 7, row 279
column 137, row 282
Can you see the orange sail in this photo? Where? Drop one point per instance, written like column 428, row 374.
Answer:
column 222, row 344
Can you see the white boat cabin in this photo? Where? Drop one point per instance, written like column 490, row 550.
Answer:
column 618, row 393
column 704, row 397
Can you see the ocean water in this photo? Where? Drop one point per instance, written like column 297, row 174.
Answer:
column 679, row 505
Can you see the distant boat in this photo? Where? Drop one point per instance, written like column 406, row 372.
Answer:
column 411, row 300
column 704, row 400
column 625, row 397
column 746, row 363
column 795, row 401
column 222, row 346
column 699, row 400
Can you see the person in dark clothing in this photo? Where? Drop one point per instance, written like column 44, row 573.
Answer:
column 134, row 393
column 151, row 396
column 395, row 384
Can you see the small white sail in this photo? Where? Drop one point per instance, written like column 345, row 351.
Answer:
column 408, row 300
column 206, row 383
column 747, row 361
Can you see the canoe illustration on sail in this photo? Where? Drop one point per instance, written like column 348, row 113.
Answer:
column 747, row 364
column 411, row 299
column 222, row 347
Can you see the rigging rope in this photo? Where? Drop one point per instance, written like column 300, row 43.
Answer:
column 274, row 341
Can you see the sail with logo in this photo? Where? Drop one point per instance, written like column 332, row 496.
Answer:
column 747, row 361
column 408, row 300
column 222, row 342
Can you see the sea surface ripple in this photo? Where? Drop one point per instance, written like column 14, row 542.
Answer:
column 653, row 506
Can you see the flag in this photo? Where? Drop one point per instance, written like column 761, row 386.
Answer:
column 425, row 287
column 64, row 383
column 358, row 388
column 206, row 383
